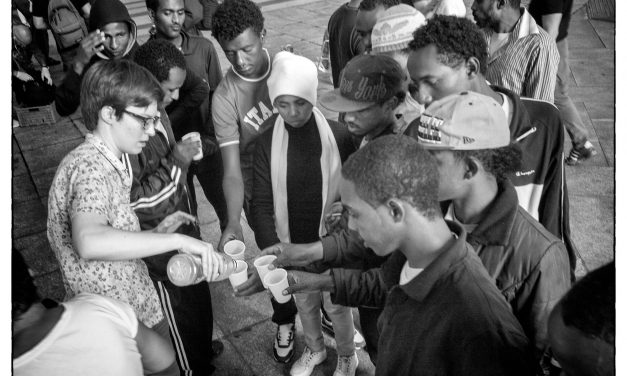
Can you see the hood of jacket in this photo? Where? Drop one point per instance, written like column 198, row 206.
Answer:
column 104, row 12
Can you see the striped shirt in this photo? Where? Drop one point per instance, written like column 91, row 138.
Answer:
column 527, row 63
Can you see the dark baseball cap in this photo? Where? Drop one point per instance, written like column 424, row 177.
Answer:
column 365, row 81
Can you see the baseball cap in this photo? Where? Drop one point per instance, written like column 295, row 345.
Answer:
column 464, row 121
column 395, row 28
column 365, row 81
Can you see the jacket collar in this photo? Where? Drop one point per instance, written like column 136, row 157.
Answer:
column 496, row 226
column 419, row 287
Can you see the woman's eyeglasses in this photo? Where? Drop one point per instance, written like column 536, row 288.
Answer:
column 146, row 122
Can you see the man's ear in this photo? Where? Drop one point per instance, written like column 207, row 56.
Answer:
column 472, row 167
column 397, row 211
column 391, row 103
column 500, row 4
column 473, row 67
column 151, row 14
column 262, row 36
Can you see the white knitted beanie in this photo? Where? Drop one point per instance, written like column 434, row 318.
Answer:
column 394, row 29
column 293, row 75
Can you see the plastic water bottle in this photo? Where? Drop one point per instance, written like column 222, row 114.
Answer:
column 184, row 269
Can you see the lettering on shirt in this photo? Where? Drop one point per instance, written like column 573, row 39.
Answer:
column 257, row 115
column 525, row 173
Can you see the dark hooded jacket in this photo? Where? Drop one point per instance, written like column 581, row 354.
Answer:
column 103, row 12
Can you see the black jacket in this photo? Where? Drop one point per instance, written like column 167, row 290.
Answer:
column 67, row 95
column 529, row 264
column 159, row 189
column 540, row 182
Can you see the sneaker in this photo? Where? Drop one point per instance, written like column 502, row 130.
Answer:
column 580, row 153
column 346, row 365
column 283, row 350
column 304, row 366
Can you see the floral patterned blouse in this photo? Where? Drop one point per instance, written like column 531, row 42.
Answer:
column 90, row 179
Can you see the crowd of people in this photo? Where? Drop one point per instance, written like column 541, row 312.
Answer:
column 436, row 204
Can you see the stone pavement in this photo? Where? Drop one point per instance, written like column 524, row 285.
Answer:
column 243, row 324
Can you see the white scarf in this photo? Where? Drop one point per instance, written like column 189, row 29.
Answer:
column 330, row 164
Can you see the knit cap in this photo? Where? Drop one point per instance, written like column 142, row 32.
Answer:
column 293, row 75
column 394, row 29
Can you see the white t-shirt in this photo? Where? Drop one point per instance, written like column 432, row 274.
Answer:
column 408, row 273
column 94, row 336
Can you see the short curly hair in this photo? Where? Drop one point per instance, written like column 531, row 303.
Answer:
column 590, row 305
column 500, row 162
column 368, row 5
column 457, row 40
column 395, row 166
column 159, row 56
column 233, row 17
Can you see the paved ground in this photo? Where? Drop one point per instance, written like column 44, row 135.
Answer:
column 244, row 324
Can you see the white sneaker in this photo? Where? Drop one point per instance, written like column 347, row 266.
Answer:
column 346, row 365
column 304, row 366
column 283, row 349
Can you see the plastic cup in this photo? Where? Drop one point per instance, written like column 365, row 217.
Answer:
column 235, row 249
column 195, row 136
column 261, row 264
column 240, row 275
column 276, row 280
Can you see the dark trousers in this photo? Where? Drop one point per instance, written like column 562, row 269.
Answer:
column 209, row 172
column 190, row 317
column 368, row 318
column 284, row 313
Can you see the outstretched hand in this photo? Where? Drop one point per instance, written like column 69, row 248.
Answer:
column 252, row 285
column 293, row 254
column 304, row 282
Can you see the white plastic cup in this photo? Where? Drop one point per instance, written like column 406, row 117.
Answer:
column 235, row 249
column 276, row 280
column 261, row 264
column 194, row 136
column 240, row 275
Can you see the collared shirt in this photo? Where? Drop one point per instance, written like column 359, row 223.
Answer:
column 449, row 320
column 91, row 179
column 527, row 63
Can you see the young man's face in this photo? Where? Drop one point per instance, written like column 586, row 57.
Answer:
column 432, row 79
column 452, row 183
column 246, row 54
column 372, row 224
column 484, row 12
column 171, row 86
column 364, row 23
column 117, row 37
column 369, row 120
column 169, row 18
column 295, row 111
column 129, row 133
